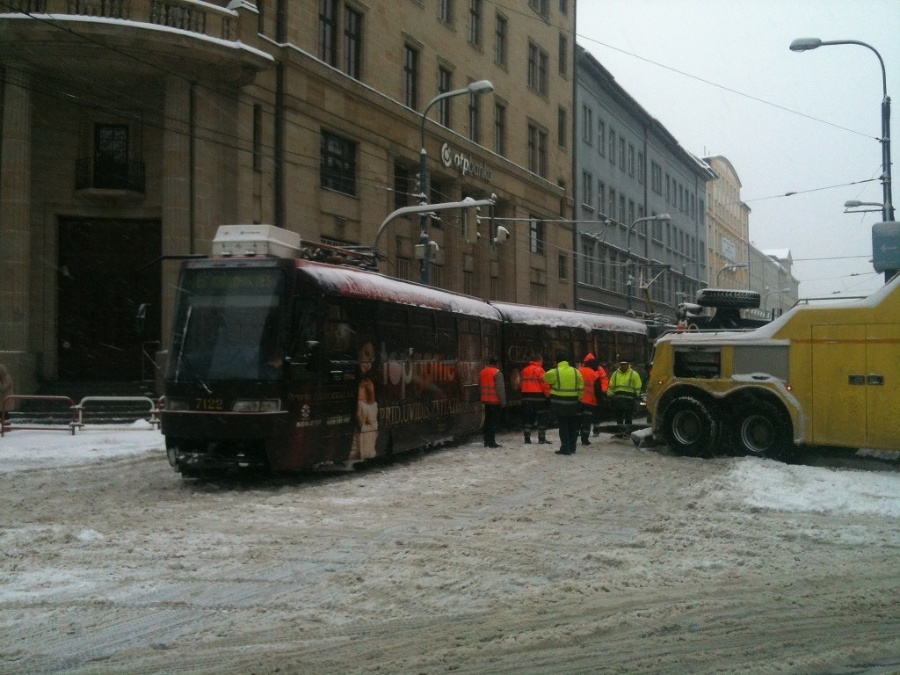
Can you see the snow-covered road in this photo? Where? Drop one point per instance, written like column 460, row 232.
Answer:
column 468, row 560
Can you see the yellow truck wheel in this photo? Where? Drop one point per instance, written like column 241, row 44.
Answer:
column 691, row 427
column 760, row 428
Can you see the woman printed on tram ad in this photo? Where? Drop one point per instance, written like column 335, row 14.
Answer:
column 366, row 407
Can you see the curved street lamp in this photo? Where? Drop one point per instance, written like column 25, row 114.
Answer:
column 661, row 217
column 478, row 87
column 856, row 204
column 806, row 44
column 730, row 267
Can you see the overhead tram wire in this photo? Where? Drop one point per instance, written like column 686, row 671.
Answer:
column 730, row 89
column 792, row 193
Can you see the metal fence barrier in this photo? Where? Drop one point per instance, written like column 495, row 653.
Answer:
column 74, row 413
column 153, row 408
column 7, row 425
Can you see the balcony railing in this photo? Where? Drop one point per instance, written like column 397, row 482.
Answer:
column 126, row 176
column 189, row 15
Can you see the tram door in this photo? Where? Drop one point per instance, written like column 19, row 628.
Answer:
column 100, row 289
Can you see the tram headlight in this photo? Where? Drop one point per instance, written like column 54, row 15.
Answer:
column 247, row 405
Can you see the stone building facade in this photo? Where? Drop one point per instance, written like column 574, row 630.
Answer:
column 770, row 273
column 629, row 169
column 734, row 262
column 728, row 222
column 132, row 130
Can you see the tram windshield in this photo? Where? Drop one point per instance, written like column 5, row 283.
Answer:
column 228, row 325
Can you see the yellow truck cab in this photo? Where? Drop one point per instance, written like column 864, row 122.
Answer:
column 819, row 375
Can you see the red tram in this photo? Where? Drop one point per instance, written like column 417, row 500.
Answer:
column 287, row 364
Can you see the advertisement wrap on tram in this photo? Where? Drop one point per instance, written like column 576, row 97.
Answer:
column 283, row 363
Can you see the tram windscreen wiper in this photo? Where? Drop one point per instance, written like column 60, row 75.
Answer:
column 179, row 360
column 182, row 360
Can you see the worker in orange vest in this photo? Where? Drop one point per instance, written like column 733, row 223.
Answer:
column 535, row 400
column 493, row 396
column 589, row 403
column 601, row 386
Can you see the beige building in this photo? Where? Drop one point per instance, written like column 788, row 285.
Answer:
column 131, row 130
column 728, row 227
column 734, row 262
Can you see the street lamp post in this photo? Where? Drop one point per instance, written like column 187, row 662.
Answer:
column 660, row 217
column 856, row 205
column 805, row 44
column 474, row 88
column 729, row 266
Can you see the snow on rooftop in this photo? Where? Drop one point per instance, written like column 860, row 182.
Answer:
column 778, row 253
column 358, row 283
column 544, row 316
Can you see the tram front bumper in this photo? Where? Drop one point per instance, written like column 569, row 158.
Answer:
column 199, row 440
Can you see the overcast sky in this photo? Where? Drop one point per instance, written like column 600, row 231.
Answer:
column 719, row 76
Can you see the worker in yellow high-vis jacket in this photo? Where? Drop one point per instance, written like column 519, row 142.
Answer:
column 566, row 390
column 624, row 389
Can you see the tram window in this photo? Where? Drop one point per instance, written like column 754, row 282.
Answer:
column 581, row 346
column 606, row 347
column 361, row 311
column 554, row 347
column 392, row 314
column 445, row 335
column 421, row 319
column 490, row 342
column 338, row 333
column 626, row 348
column 469, row 346
column 558, row 335
column 304, row 337
column 468, row 326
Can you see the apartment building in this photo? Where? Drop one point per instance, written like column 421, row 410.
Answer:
column 132, row 130
column 630, row 172
column 728, row 222
column 770, row 273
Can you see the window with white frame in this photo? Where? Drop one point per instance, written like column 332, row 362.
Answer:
column 587, row 190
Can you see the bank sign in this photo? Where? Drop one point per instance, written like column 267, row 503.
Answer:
column 466, row 165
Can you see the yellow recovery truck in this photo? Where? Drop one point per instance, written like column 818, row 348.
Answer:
column 819, row 375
